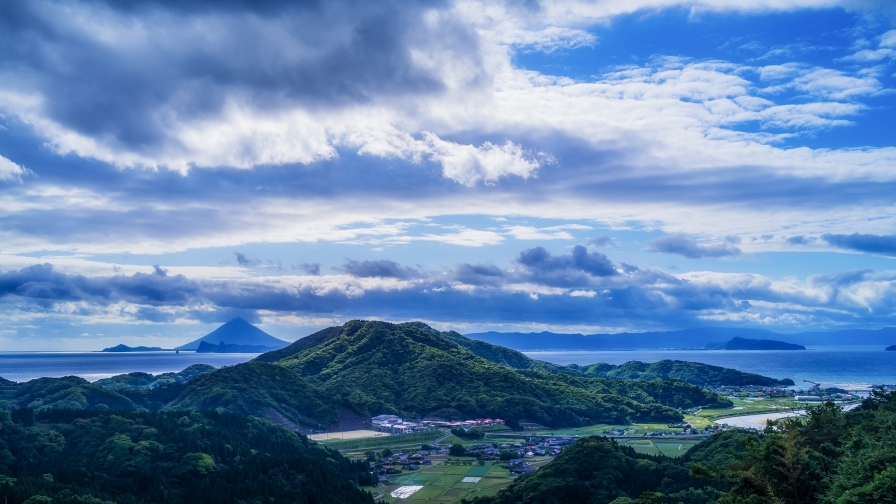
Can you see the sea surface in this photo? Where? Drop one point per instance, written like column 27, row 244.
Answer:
column 853, row 367
column 92, row 366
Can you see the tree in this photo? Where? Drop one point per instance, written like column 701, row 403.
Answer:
column 457, row 450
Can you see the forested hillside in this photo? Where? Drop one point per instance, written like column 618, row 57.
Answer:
column 691, row 372
column 377, row 367
column 146, row 381
column 93, row 457
column 259, row 389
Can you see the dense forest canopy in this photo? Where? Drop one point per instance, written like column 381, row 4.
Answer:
column 98, row 457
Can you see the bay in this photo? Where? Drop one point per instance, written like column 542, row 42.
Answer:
column 853, row 367
column 92, row 366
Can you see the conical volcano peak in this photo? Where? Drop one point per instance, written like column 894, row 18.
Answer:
column 237, row 331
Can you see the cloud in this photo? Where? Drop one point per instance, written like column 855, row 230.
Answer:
column 686, row 247
column 870, row 243
column 601, row 241
column 382, row 268
column 529, row 292
column 542, row 264
column 468, row 165
column 308, row 268
column 250, row 262
column 245, row 260
column 800, row 240
column 10, row 170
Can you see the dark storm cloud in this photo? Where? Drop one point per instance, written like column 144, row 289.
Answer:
column 872, row 244
column 686, row 247
column 382, row 268
column 315, row 54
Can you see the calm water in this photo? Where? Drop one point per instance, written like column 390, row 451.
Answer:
column 854, row 366
column 24, row 366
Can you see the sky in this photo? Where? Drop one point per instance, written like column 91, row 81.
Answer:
column 567, row 166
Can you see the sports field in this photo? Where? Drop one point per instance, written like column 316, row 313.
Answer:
column 355, row 434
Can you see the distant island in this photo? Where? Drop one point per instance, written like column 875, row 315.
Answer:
column 684, row 339
column 125, row 348
column 739, row 343
column 891, row 348
column 237, row 332
column 205, row 347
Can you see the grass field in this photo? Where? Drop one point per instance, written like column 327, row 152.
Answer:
column 445, row 486
column 398, row 440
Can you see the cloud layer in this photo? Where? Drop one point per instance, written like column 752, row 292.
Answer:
column 448, row 160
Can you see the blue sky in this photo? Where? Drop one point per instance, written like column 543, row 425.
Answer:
column 570, row 166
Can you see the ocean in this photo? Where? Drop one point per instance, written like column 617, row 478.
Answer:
column 92, row 366
column 851, row 367
column 854, row 367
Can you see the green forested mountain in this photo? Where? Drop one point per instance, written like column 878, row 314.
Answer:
column 827, row 457
column 69, row 392
column 146, row 381
column 691, row 372
column 377, row 367
column 260, row 389
column 92, row 457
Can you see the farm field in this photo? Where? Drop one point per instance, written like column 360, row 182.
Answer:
column 445, row 484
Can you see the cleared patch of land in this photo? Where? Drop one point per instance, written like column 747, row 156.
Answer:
column 355, row 434
column 396, row 441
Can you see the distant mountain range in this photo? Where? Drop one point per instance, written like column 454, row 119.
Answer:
column 698, row 338
column 238, row 332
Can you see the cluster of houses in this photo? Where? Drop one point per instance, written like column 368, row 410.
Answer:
column 402, row 460
column 753, row 390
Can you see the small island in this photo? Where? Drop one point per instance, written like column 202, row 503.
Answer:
column 738, row 343
column 125, row 348
column 205, row 347
column 891, row 348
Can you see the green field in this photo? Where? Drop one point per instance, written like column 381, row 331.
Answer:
column 445, row 486
column 416, row 438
